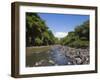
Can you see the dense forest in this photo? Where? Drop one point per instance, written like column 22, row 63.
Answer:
column 38, row 33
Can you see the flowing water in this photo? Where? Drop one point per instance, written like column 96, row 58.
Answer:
column 58, row 56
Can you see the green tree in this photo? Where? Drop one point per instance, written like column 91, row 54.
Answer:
column 79, row 37
column 37, row 32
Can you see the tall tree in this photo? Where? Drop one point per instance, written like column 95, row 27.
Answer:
column 37, row 32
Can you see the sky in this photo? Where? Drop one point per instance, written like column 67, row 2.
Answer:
column 61, row 24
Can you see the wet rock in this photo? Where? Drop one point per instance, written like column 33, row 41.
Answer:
column 77, row 56
column 51, row 61
column 78, row 60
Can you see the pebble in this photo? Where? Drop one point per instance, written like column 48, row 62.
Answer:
column 81, row 53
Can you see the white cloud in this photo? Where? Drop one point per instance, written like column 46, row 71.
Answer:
column 60, row 34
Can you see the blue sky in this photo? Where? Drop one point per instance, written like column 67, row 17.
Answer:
column 61, row 24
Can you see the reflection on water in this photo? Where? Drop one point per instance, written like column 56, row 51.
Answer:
column 58, row 56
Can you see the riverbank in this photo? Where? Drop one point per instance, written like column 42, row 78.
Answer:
column 76, row 55
column 36, row 49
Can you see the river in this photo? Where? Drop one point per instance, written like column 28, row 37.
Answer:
column 59, row 55
column 55, row 56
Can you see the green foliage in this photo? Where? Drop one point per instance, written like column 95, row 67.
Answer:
column 79, row 37
column 37, row 32
column 38, row 41
column 83, row 30
column 79, row 44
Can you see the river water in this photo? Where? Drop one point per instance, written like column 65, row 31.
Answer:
column 58, row 56
column 55, row 56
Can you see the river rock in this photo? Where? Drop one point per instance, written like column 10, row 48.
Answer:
column 77, row 56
